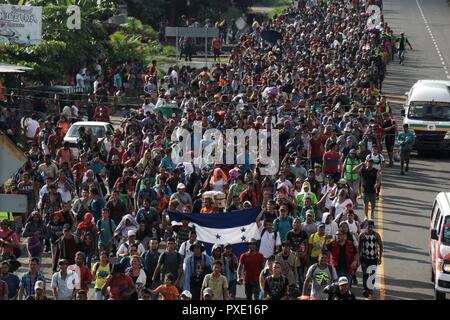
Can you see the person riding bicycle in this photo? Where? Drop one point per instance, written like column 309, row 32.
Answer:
column 402, row 42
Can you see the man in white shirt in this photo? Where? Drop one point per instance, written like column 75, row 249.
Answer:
column 30, row 128
column 148, row 106
column 377, row 157
column 185, row 247
column 65, row 283
column 270, row 240
column 124, row 249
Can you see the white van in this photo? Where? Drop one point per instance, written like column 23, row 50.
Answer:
column 427, row 112
column 99, row 130
column 440, row 245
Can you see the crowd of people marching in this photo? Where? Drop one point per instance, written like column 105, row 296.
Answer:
column 103, row 215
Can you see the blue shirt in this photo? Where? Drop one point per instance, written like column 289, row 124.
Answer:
column 96, row 208
column 108, row 227
column 95, row 166
column 13, row 283
column 283, row 226
column 406, row 139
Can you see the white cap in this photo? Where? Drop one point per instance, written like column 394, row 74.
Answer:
column 39, row 285
column 131, row 233
column 343, row 280
column 181, row 186
column 187, row 294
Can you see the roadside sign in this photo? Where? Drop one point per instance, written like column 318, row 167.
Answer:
column 11, row 158
column 191, row 32
column 13, row 203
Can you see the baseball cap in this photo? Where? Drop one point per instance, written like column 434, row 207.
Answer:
column 227, row 245
column 342, row 281
column 187, row 294
column 208, row 292
column 181, row 186
column 39, row 285
column 321, row 225
column 131, row 233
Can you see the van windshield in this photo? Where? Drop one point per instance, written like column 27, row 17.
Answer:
column 98, row 131
column 429, row 111
column 446, row 231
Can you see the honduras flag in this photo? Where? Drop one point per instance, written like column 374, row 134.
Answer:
column 236, row 227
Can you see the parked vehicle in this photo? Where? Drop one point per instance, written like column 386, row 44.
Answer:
column 99, row 130
column 427, row 112
column 440, row 245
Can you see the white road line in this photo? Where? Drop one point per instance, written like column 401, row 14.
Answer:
column 433, row 39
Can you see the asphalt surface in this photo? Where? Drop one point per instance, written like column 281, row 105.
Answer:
column 407, row 200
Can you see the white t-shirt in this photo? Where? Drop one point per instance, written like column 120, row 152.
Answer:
column 174, row 76
column 340, row 207
column 328, row 201
column 268, row 242
column 65, row 286
column 125, row 248
column 185, row 251
column 80, row 80
column 148, row 107
column 32, row 125
column 377, row 160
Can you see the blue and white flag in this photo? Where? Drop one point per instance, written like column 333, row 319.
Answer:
column 236, row 227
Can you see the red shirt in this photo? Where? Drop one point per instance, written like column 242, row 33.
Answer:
column 332, row 164
column 80, row 169
column 253, row 265
column 117, row 284
column 316, row 150
column 84, row 274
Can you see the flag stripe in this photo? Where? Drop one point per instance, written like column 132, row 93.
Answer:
column 230, row 235
column 220, row 220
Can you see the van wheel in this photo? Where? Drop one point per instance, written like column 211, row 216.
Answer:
column 439, row 295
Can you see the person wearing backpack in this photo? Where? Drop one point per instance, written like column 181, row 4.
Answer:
column 170, row 261
column 105, row 233
column 150, row 259
column 276, row 285
column 270, row 240
column 319, row 276
column 283, row 224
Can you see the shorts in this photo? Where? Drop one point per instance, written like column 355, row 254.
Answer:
column 354, row 185
column 390, row 142
column 405, row 154
column 370, row 197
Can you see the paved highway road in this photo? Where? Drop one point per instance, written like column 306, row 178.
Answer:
column 407, row 200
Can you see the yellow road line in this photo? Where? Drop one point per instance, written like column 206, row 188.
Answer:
column 380, row 231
